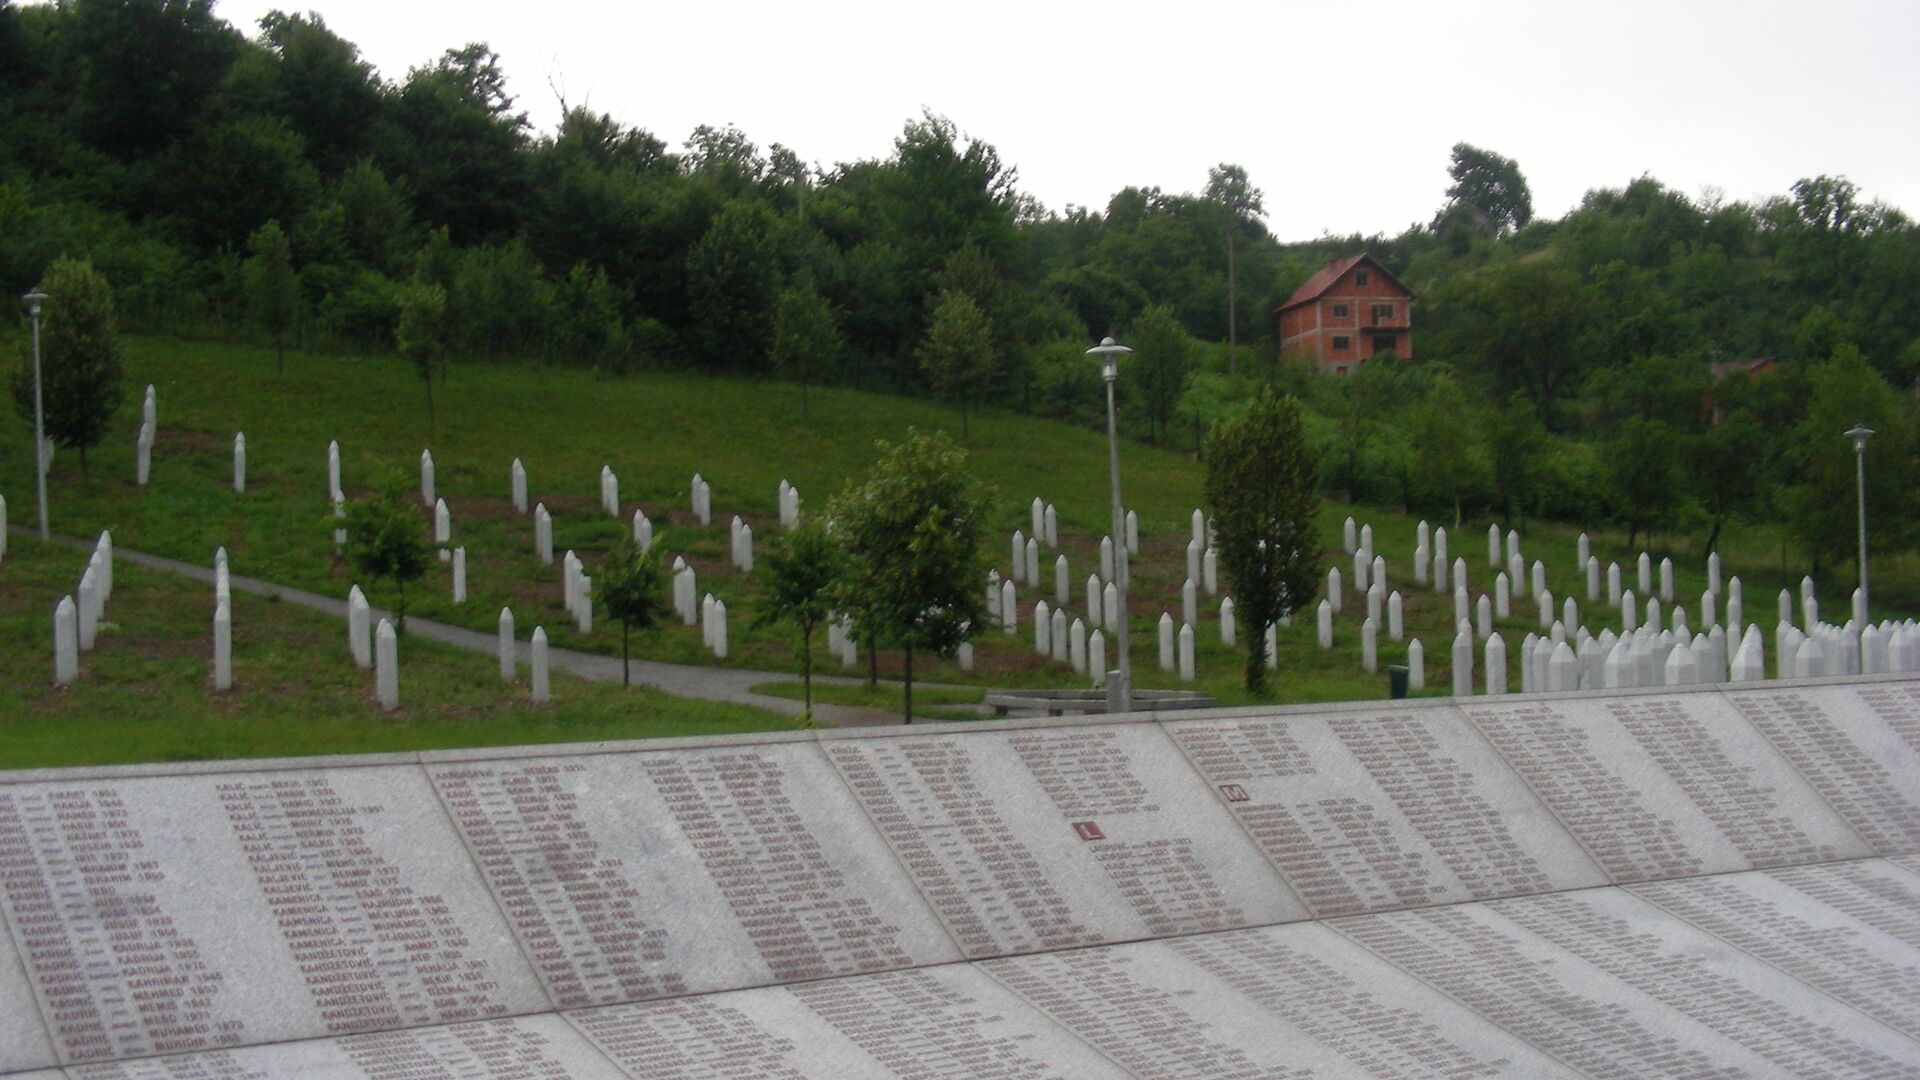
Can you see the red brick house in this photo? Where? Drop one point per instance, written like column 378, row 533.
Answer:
column 1350, row 311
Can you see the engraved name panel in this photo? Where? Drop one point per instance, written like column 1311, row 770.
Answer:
column 1664, row 787
column 946, row 1023
column 23, row 1040
column 170, row 914
column 1059, row 837
column 1368, row 811
column 1850, row 929
column 519, row 1048
column 1618, row 989
column 1277, row 1001
column 1858, row 746
column 634, row 876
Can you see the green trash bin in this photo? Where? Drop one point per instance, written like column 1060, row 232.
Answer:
column 1396, row 681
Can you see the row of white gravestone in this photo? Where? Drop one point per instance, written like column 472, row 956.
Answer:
column 840, row 641
column 713, row 625
column 508, row 652
column 788, row 497
column 75, row 624
column 576, row 591
column 609, row 492
column 700, row 496
column 685, row 597
column 1046, row 523
column 1176, row 647
column 740, row 545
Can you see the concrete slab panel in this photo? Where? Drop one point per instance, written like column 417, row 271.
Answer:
column 1376, row 810
column 23, row 1038
column 1665, row 786
column 1284, row 1001
column 1613, row 986
column 636, row 876
column 944, row 1023
column 523, row 1048
column 1858, row 746
column 1851, row 930
column 1060, row 837
column 182, row 913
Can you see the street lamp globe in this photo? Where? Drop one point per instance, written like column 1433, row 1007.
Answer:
column 1109, row 352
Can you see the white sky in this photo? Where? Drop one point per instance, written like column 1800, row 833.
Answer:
column 1342, row 113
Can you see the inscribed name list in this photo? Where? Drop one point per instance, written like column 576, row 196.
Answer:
column 1659, row 787
column 943, row 1023
column 1060, row 837
column 176, row 913
column 1275, row 1002
column 1370, row 811
column 1859, row 746
column 654, row 874
column 23, row 1041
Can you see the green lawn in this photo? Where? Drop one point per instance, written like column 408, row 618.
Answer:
column 744, row 436
column 145, row 691
column 930, row 702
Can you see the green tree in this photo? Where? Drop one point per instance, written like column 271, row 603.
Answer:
column 273, row 288
column 1526, row 325
column 911, row 536
column 1446, row 466
column 802, row 569
column 1821, row 508
column 1643, row 460
column 632, row 588
column 957, row 355
column 1228, row 186
column 1489, row 189
column 79, row 359
column 806, row 336
column 1162, row 364
column 387, row 538
column 732, row 276
column 587, row 328
column 422, row 333
column 1263, row 487
column 1516, row 451
column 1360, row 406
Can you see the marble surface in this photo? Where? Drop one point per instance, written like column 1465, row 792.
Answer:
column 1061, row 837
column 1858, row 746
column 23, row 1038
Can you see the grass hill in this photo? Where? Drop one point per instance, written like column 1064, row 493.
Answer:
column 656, row 431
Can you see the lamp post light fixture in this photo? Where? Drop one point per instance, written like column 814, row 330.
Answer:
column 1859, row 433
column 34, row 299
column 1120, row 684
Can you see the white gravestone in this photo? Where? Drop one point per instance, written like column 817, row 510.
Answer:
column 148, row 415
column 442, row 527
column 1395, row 613
column 1106, row 558
column 333, row 470
column 1077, row 646
column 1349, row 536
column 1416, row 665
column 1210, row 571
column 1325, row 625
column 505, row 649
column 1052, row 523
column 460, row 575
column 1009, row 607
column 1033, row 562
column 222, row 647
column 88, row 609
column 1583, row 550
column 517, row 485
column 1193, row 559
column 1186, row 653
column 1493, row 547
column 1189, row 602
column 1539, row 577
column 1226, row 622
column 1526, row 667
column 964, row 656
column 1563, row 669
column 1544, row 600
column 1593, row 579
column 1037, row 516
column 1062, row 581
column 1273, row 648
column 426, row 478
column 537, row 655
column 1057, row 640
column 386, row 665
column 1380, row 571
column 1502, row 597
column 1613, row 585
column 1496, row 665
column 1462, row 664
column 642, row 531
column 1376, row 599
column 1095, row 593
column 1369, row 646
column 66, row 642
column 1333, row 587
column 1483, row 617
column 240, row 463
column 720, row 629
column 543, row 534
column 583, row 615
column 1420, row 564
column 1200, row 527
column 1110, row 613
column 1166, row 641
column 359, row 628
column 1042, row 629
column 1017, row 550
column 1569, row 612
column 746, row 548
column 1097, row 657
column 1362, row 567
column 1133, row 532
column 143, row 455
column 1462, row 605
column 1440, row 560
column 1666, row 580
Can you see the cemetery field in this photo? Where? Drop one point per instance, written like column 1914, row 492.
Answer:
column 929, row 702
column 145, row 691
column 655, row 431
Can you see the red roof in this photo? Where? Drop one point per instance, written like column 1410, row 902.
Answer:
column 1332, row 272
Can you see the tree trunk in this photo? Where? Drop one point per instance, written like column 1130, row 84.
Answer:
column 1257, row 662
column 908, row 711
column 1713, row 535
column 626, row 673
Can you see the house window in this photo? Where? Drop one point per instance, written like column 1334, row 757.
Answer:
column 1340, row 369
column 1361, row 278
column 1340, row 343
column 1382, row 344
column 1382, row 313
column 1339, row 311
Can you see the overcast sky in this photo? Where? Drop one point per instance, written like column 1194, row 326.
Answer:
column 1342, row 113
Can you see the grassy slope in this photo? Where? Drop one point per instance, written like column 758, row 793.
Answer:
column 145, row 691
column 656, row 431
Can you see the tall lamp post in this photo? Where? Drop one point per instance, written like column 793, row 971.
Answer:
column 34, row 300
column 1120, row 697
column 1859, row 433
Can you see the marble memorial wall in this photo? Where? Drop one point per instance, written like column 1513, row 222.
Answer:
column 1634, row 885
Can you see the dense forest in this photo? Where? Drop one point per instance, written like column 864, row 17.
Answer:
column 267, row 183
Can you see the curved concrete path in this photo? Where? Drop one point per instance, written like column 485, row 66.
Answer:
column 683, row 680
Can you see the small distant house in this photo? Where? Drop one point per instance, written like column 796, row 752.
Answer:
column 1723, row 370
column 1352, row 310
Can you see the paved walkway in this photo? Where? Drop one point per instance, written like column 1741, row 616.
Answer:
column 684, row 680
